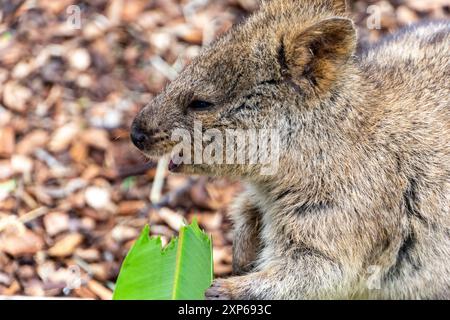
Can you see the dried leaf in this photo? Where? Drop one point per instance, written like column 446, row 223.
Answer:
column 56, row 222
column 7, row 141
column 19, row 244
column 66, row 246
column 63, row 137
column 101, row 291
column 130, row 207
column 16, row 96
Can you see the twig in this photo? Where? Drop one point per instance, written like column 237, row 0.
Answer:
column 19, row 222
column 158, row 183
column 33, row 214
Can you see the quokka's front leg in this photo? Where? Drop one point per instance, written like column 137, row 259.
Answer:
column 246, row 237
column 309, row 276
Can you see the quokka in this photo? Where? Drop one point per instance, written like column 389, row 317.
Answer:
column 359, row 207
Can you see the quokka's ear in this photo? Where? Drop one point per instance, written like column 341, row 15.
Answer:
column 316, row 54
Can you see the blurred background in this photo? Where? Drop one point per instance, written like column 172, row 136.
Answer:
column 74, row 192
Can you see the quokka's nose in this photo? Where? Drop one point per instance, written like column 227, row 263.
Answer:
column 138, row 136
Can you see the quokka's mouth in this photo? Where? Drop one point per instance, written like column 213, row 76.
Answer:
column 175, row 162
column 172, row 166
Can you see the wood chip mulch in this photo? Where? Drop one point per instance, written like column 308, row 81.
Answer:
column 74, row 192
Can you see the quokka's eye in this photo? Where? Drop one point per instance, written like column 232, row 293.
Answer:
column 199, row 105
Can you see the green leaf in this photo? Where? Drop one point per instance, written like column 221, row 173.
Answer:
column 183, row 270
column 128, row 183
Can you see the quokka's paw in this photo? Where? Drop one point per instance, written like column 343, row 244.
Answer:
column 219, row 290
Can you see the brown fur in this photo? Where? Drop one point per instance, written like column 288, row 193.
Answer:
column 364, row 177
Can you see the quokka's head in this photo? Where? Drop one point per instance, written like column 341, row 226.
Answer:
column 267, row 74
